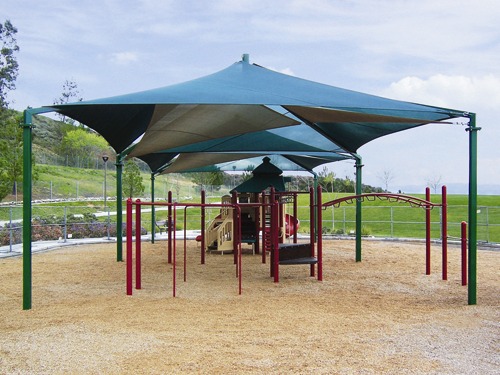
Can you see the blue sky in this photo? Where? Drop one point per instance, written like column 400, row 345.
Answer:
column 443, row 53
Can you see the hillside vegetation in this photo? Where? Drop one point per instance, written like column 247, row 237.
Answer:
column 56, row 180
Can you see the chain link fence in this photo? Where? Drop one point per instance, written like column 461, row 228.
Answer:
column 409, row 222
column 60, row 222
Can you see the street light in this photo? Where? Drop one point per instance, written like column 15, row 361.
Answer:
column 105, row 159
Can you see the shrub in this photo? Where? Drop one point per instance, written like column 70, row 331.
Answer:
column 51, row 227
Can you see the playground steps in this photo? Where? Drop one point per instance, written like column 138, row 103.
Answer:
column 310, row 260
column 219, row 234
column 296, row 253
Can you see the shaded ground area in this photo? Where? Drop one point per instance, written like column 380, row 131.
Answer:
column 382, row 315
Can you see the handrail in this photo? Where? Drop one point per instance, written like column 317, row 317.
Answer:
column 413, row 201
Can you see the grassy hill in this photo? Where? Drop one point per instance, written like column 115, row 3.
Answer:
column 60, row 182
column 380, row 218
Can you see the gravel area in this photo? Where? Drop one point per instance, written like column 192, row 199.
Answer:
column 382, row 315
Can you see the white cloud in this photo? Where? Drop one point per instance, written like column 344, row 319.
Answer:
column 460, row 92
column 124, row 58
column 441, row 149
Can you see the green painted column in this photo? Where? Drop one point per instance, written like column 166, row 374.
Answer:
column 119, row 208
column 27, row 210
column 153, row 219
column 359, row 191
column 472, row 129
column 315, row 192
column 27, row 195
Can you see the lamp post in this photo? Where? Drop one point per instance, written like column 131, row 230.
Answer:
column 105, row 159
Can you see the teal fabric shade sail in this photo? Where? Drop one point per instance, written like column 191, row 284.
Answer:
column 242, row 99
column 209, row 162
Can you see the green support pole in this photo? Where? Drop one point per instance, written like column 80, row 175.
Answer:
column 27, row 184
column 27, row 195
column 472, row 129
column 119, row 208
column 315, row 193
column 359, row 191
column 153, row 208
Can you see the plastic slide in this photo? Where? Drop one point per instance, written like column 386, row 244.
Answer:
column 291, row 225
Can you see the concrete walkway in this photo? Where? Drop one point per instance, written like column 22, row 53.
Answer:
column 43, row 246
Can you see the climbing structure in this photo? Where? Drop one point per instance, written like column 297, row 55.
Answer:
column 262, row 221
column 255, row 213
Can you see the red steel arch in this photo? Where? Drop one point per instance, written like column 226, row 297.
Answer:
column 413, row 201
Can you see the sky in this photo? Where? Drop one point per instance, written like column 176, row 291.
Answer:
column 442, row 53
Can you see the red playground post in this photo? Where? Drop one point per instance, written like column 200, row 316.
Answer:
column 138, row 244
column 464, row 252
column 320, row 236
column 174, row 254
column 428, row 232
column 444, row 232
column 169, row 227
column 312, row 225
column 129, row 247
column 203, row 201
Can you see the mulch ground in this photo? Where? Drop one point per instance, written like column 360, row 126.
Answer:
column 381, row 315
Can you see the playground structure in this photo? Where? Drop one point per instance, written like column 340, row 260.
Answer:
column 425, row 204
column 280, row 253
column 259, row 219
column 253, row 194
column 219, row 236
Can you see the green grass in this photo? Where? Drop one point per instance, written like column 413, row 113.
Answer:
column 407, row 221
column 69, row 182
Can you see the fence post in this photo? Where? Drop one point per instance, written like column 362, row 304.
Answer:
column 343, row 210
column 487, row 224
column 392, row 222
column 10, row 229
column 109, row 222
column 65, row 232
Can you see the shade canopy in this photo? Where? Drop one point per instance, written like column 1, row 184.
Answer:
column 234, row 110
column 210, row 162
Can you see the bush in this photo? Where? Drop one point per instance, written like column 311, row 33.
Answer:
column 45, row 232
column 52, row 228
column 366, row 231
column 5, row 233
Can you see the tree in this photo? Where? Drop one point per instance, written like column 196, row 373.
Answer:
column 386, row 177
column 434, row 182
column 70, row 94
column 11, row 151
column 247, row 173
column 8, row 63
column 326, row 179
column 82, row 147
column 132, row 180
column 205, row 179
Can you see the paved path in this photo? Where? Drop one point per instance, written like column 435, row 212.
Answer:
column 42, row 246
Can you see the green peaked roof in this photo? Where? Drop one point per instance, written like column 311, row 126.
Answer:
column 264, row 176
